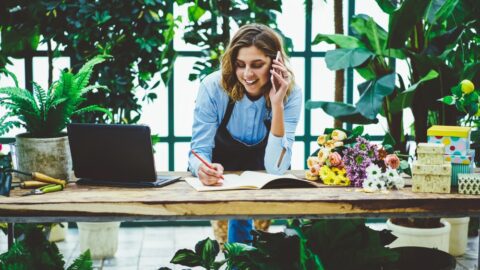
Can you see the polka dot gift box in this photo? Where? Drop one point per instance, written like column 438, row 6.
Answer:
column 456, row 139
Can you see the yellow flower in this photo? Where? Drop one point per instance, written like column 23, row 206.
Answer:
column 324, row 172
column 330, row 144
column 336, row 170
column 321, row 140
column 310, row 176
column 312, row 161
column 342, row 180
column 323, row 154
column 467, row 86
column 339, row 135
column 329, row 179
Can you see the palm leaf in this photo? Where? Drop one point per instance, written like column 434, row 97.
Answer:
column 94, row 108
column 14, row 93
column 83, row 262
column 92, row 87
column 40, row 96
column 83, row 75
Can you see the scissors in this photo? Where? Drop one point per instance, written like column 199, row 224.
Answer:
column 44, row 189
column 42, row 177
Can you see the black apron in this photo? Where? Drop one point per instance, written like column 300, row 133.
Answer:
column 235, row 155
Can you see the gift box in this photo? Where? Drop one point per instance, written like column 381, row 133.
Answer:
column 461, row 159
column 430, row 153
column 456, row 139
column 431, row 178
column 458, row 169
column 469, row 183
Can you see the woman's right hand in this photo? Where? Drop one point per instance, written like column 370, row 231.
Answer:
column 211, row 177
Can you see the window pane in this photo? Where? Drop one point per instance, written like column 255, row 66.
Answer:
column 40, row 69
column 298, row 153
column 184, row 94
column 178, row 42
column 371, row 8
column 181, row 156
column 155, row 113
column 161, row 157
column 17, row 68
column 322, row 23
column 323, row 88
column 298, row 67
column 293, row 11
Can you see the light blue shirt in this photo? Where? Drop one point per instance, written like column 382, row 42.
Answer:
column 246, row 124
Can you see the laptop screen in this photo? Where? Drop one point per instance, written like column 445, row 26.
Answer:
column 112, row 152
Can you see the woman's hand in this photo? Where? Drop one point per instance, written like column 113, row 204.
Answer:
column 211, row 177
column 280, row 80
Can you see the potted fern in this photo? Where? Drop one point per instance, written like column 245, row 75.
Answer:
column 44, row 114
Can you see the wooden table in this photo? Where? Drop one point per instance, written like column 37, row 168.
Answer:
column 179, row 201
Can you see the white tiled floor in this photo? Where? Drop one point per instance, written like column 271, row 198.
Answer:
column 144, row 248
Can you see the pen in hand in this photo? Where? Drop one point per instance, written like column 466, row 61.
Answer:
column 204, row 162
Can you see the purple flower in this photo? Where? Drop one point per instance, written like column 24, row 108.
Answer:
column 358, row 158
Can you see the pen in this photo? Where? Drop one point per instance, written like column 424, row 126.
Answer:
column 204, row 162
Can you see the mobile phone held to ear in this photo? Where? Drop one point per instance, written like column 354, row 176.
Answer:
column 272, row 77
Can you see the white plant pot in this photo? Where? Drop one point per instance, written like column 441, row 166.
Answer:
column 100, row 237
column 420, row 237
column 50, row 156
column 458, row 235
column 57, row 232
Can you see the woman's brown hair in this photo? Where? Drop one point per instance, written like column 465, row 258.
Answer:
column 264, row 39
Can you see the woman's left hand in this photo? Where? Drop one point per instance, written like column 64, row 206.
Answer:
column 280, row 80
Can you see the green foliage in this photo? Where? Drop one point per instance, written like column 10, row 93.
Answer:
column 312, row 245
column 138, row 34
column 435, row 38
column 45, row 113
column 206, row 17
column 36, row 252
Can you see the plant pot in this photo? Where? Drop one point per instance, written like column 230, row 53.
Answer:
column 100, row 237
column 458, row 235
column 420, row 237
column 420, row 258
column 50, row 156
column 57, row 232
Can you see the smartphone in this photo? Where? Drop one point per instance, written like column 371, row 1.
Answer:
column 273, row 78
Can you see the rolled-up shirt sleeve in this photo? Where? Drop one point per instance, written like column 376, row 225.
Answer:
column 278, row 153
column 205, row 124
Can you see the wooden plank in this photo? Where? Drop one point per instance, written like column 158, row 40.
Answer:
column 180, row 201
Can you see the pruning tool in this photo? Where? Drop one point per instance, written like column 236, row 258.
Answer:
column 43, row 178
column 44, row 189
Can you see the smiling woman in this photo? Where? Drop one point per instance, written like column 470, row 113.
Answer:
column 246, row 114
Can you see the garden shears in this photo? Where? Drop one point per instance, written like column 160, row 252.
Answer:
column 45, row 189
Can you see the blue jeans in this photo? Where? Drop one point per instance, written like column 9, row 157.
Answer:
column 239, row 231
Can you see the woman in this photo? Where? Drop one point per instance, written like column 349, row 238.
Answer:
column 246, row 114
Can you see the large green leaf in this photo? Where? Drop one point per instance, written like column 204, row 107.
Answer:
column 346, row 58
column 373, row 93
column 208, row 250
column 439, row 10
column 186, row 257
column 404, row 99
column 403, row 20
column 342, row 111
column 345, row 42
column 387, row 6
column 364, row 25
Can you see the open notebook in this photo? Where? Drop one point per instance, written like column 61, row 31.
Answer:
column 252, row 180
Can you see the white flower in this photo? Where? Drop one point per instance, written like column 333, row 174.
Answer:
column 369, row 185
column 373, row 172
column 399, row 182
column 391, row 174
column 380, row 184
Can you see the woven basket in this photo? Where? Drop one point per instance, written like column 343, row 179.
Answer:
column 220, row 229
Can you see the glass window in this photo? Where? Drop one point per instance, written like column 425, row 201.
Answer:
column 184, row 95
column 155, row 113
column 293, row 10
column 323, row 89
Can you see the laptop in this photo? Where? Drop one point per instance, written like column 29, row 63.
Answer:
column 114, row 155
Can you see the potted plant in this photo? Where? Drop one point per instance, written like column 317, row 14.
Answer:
column 44, row 114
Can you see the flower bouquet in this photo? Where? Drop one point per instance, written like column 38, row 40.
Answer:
column 348, row 159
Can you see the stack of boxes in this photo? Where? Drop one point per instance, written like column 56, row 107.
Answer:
column 457, row 148
column 430, row 172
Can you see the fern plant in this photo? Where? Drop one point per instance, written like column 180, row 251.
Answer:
column 45, row 113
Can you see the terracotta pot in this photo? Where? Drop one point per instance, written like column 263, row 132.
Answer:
column 50, row 156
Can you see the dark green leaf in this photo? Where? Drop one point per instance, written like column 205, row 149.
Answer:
column 346, row 58
column 195, row 13
column 449, row 100
column 403, row 20
column 371, row 100
column 345, row 42
column 388, row 139
column 388, row 6
column 364, row 25
column 208, row 250
column 342, row 111
column 186, row 257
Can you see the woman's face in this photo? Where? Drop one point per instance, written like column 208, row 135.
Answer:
column 252, row 69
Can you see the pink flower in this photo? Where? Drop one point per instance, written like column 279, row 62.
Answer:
column 392, row 161
column 335, row 159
